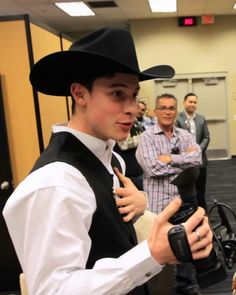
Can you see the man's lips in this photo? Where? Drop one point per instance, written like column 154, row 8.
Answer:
column 125, row 125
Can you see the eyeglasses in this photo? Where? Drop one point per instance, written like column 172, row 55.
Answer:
column 164, row 108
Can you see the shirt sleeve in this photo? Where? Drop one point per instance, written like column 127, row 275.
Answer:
column 205, row 136
column 53, row 244
column 147, row 157
column 187, row 159
column 150, row 148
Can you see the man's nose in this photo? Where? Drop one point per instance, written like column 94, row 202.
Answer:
column 131, row 107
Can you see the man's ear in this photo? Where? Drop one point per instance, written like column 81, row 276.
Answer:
column 78, row 93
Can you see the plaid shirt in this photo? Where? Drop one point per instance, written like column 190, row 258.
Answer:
column 158, row 175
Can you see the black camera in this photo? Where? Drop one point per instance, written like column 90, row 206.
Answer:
column 212, row 269
column 175, row 150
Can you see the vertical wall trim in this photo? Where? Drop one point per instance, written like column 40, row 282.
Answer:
column 6, row 167
column 67, row 99
column 35, row 93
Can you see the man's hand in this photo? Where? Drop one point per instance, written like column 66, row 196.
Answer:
column 158, row 238
column 166, row 159
column 234, row 284
column 191, row 149
column 132, row 201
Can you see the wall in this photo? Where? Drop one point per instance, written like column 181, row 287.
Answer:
column 17, row 96
column 19, row 100
column 52, row 108
column 205, row 48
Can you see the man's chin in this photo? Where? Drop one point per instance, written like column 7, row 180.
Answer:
column 121, row 137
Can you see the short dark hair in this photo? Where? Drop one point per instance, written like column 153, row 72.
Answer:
column 190, row 94
column 165, row 95
column 142, row 102
column 88, row 83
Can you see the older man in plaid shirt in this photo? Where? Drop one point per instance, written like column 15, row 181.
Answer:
column 163, row 152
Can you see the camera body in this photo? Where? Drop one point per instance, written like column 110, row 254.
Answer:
column 212, row 269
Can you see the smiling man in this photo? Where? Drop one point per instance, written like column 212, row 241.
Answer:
column 196, row 124
column 163, row 152
column 70, row 221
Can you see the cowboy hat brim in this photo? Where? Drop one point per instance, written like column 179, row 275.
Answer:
column 55, row 73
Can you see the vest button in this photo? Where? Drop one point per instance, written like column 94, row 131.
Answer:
column 148, row 274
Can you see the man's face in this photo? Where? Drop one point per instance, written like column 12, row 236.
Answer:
column 166, row 111
column 141, row 110
column 190, row 104
column 111, row 107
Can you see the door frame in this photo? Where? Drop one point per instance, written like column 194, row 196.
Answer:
column 190, row 77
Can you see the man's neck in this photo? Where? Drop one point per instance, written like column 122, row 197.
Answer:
column 168, row 130
column 189, row 114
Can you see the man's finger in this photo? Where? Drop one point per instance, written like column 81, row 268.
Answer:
column 123, row 201
column 121, row 191
column 194, row 220
column 128, row 217
column 125, row 180
column 170, row 210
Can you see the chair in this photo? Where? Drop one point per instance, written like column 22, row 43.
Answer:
column 23, row 287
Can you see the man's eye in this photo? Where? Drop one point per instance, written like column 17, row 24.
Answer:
column 116, row 93
column 119, row 94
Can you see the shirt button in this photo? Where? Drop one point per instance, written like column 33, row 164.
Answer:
column 148, row 274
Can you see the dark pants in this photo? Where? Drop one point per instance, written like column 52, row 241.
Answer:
column 185, row 275
column 201, row 187
column 141, row 290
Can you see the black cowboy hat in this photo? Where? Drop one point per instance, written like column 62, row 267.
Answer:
column 107, row 50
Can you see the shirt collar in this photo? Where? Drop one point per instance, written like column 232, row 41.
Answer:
column 101, row 148
column 190, row 117
column 158, row 130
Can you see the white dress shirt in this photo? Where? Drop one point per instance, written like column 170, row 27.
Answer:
column 191, row 125
column 49, row 215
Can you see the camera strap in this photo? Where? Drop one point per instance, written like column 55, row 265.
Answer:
column 179, row 243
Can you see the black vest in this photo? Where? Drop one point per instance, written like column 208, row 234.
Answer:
column 110, row 235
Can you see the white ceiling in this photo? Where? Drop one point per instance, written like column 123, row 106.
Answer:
column 44, row 11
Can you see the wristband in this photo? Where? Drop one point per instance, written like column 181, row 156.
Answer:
column 179, row 244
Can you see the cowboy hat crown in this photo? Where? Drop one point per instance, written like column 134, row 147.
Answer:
column 107, row 50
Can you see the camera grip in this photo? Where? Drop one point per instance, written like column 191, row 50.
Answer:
column 179, row 243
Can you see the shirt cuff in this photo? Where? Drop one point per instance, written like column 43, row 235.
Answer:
column 142, row 266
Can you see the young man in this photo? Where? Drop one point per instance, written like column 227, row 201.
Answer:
column 163, row 152
column 196, row 124
column 70, row 220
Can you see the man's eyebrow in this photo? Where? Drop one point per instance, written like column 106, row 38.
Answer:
column 122, row 85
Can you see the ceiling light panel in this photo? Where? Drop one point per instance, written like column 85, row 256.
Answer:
column 75, row 8
column 163, row 5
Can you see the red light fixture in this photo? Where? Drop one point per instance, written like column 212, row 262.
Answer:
column 187, row 21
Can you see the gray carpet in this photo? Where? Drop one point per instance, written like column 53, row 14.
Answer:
column 221, row 186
